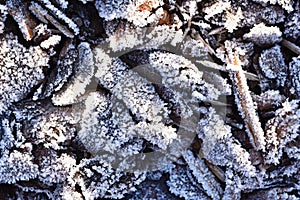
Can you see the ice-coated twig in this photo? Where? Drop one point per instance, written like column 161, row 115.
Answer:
column 212, row 65
column 217, row 31
column 217, row 171
column 291, row 46
column 246, row 105
column 198, row 37
column 60, row 15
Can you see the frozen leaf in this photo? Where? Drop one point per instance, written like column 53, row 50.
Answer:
column 292, row 24
column 97, row 179
column 21, row 15
column 263, row 35
column 286, row 4
column 67, row 60
column 45, row 16
column 84, row 71
column 203, row 175
column 182, row 184
column 17, row 166
column 220, row 148
column 272, row 64
column 112, row 9
column 3, row 14
column 294, row 78
column 21, row 69
column 282, row 129
column 139, row 12
column 255, row 14
column 55, row 169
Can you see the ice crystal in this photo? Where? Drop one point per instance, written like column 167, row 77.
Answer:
column 51, row 42
column 203, row 175
column 256, row 14
column 216, row 8
column 55, row 169
column 112, row 10
column 232, row 17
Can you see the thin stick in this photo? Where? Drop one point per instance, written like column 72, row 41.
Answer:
column 212, row 65
column 291, row 46
column 245, row 105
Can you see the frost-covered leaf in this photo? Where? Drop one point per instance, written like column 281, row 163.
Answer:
column 282, row 129
column 21, row 69
column 272, row 64
column 263, row 35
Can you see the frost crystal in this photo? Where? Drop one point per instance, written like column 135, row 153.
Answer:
column 112, row 9
column 232, row 20
column 262, row 35
column 232, row 17
column 256, row 14
column 55, row 169
column 50, row 42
